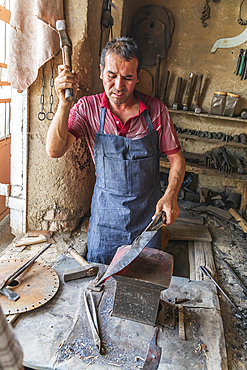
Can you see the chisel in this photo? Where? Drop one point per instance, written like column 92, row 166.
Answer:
column 188, row 91
column 176, row 102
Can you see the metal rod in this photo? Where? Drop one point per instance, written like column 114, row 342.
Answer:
column 240, row 283
column 22, row 268
column 208, row 275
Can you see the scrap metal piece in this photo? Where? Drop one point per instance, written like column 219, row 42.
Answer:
column 230, row 42
column 36, row 286
column 154, row 354
column 239, row 281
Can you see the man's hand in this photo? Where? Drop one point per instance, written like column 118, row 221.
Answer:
column 65, row 80
column 168, row 204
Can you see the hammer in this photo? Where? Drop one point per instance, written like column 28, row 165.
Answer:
column 66, row 46
column 77, row 273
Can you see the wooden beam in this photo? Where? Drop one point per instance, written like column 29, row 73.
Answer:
column 192, row 232
column 4, row 14
column 3, row 65
column 5, row 100
column 5, row 83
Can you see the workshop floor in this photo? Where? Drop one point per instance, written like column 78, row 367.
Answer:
column 227, row 244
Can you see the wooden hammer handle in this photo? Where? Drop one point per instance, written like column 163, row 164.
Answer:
column 77, row 257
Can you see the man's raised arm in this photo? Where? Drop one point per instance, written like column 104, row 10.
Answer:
column 58, row 138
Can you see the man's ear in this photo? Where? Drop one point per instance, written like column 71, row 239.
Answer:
column 138, row 77
column 101, row 72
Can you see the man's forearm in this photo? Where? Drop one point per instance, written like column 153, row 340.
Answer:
column 57, row 136
column 176, row 174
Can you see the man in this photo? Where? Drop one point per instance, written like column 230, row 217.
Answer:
column 124, row 131
column 10, row 350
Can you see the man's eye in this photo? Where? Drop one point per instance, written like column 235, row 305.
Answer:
column 111, row 76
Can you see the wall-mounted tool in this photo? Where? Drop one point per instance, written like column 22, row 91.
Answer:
column 242, row 64
column 157, row 76
column 106, row 24
column 205, row 13
column 195, row 104
column 188, row 90
column 152, row 29
column 230, row 42
column 66, row 46
column 164, row 91
column 176, row 103
column 239, row 62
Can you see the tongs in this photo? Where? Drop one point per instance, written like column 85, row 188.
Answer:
column 136, row 247
column 92, row 318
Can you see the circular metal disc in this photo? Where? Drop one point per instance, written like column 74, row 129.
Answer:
column 35, row 286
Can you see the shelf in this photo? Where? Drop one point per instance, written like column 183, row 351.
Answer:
column 199, row 169
column 212, row 141
column 207, row 115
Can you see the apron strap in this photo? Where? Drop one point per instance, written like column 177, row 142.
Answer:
column 102, row 120
column 147, row 116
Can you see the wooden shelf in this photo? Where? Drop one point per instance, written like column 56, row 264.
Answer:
column 212, row 141
column 207, row 115
column 199, row 169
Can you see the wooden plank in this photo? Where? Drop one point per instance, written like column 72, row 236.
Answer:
column 243, row 199
column 200, row 259
column 5, row 83
column 185, row 231
column 190, row 218
column 191, row 252
column 5, row 100
column 220, row 212
column 242, row 223
column 181, row 323
column 3, row 65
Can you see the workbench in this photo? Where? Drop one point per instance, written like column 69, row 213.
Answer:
column 57, row 335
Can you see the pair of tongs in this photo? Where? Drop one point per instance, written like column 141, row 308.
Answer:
column 92, row 318
column 154, row 224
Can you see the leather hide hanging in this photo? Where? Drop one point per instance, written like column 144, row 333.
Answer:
column 152, row 29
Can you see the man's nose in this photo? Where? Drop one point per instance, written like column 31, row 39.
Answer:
column 119, row 82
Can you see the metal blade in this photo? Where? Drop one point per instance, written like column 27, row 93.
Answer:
column 154, row 354
column 9, row 294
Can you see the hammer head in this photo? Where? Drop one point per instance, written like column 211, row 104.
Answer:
column 81, row 272
column 64, row 39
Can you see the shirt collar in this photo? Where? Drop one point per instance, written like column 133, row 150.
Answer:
column 105, row 102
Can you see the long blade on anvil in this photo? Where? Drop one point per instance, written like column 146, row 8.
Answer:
column 137, row 246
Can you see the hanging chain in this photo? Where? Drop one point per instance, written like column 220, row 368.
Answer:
column 50, row 114
column 240, row 20
column 205, row 13
column 41, row 114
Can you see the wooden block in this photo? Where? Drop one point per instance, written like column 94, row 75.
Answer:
column 200, row 254
column 33, row 233
column 29, row 241
column 241, row 222
column 192, row 260
column 181, row 323
column 185, row 231
column 243, row 199
column 220, row 212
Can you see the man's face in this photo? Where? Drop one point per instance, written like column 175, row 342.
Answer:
column 119, row 78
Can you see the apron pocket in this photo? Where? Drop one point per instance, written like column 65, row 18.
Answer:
column 143, row 175
column 117, row 176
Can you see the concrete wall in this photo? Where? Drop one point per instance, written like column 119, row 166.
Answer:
column 59, row 190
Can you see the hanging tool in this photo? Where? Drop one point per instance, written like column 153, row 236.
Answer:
column 154, row 354
column 185, row 104
column 157, row 76
column 176, row 102
column 92, row 318
column 239, row 62
column 106, row 24
column 66, row 46
column 87, row 269
column 137, row 246
column 195, row 104
column 208, row 275
column 8, row 293
column 230, row 42
column 242, row 64
column 164, row 91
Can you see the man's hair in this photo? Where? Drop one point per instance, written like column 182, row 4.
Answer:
column 124, row 47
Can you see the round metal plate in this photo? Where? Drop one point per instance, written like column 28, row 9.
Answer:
column 35, row 286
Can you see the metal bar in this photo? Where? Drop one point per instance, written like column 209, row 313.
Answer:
column 208, row 275
column 240, row 283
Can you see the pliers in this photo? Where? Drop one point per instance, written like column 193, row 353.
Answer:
column 154, row 225
column 92, row 318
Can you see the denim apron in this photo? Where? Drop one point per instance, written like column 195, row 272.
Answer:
column 126, row 191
